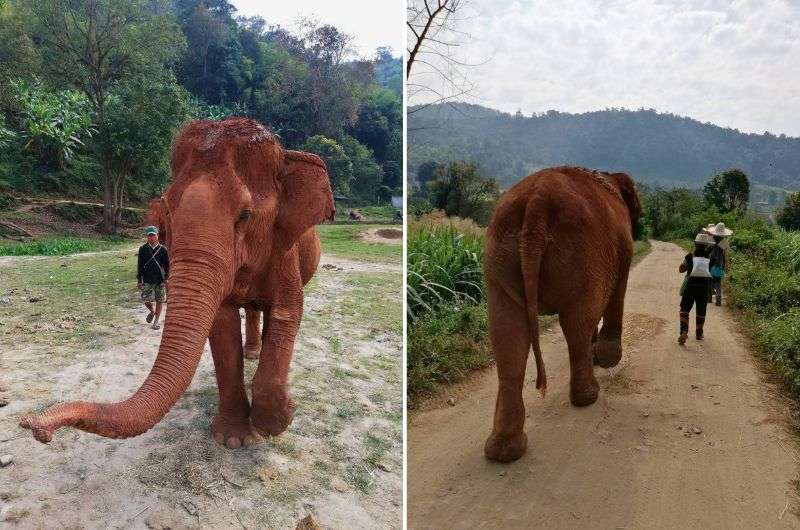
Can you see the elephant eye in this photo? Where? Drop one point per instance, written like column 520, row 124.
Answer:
column 245, row 215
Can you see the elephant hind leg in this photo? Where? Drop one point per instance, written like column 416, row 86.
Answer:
column 252, row 345
column 508, row 327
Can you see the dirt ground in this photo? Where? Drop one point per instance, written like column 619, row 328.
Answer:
column 680, row 437
column 391, row 236
column 340, row 461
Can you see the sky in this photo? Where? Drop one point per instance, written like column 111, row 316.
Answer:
column 373, row 23
column 735, row 63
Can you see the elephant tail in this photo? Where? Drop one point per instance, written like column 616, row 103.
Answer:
column 532, row 247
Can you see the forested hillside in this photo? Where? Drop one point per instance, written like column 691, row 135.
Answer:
column 92, row 91
column 658, row 148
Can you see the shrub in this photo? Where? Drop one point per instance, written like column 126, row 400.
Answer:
column 447, row 345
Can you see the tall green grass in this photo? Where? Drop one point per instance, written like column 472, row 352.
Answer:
column 445, row 264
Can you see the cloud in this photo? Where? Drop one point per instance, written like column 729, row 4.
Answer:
column 733, row 63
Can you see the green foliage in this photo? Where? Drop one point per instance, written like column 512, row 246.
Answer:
column 728, row 191
column 445, row 264
column 141, row 117
column 340, row 167
column 155, row 64
column 55, row 124
column 447, row 345
column 461, row 191
column 788, row 217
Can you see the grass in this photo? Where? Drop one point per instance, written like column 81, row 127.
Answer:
column 445, row 263
column 345, row 241
column 60, row 246
column 74, row 298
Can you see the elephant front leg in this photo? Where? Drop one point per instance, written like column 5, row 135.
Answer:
column 508, row 328
column 273, row 408
column 578, row 329
column 231, row 425
column 252, row 333
column 607, row 348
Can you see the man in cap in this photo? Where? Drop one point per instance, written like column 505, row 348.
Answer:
column 152, row 273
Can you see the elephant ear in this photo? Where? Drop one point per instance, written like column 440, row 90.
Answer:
column 627, row 188
column 157, row 216
column 305, row 194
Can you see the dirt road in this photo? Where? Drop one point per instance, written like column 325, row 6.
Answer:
column 680, row 437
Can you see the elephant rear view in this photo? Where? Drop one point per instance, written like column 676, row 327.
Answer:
column 238, row 218
column 560, row 241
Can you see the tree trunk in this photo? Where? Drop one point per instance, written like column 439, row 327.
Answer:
column 108, row 196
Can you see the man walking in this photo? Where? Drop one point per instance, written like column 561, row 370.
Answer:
column 152, row 273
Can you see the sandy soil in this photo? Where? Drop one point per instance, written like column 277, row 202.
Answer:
column 392, row 236
column 681, row 437
column 341, row 459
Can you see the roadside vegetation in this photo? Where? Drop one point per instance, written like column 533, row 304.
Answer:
column 60, row 246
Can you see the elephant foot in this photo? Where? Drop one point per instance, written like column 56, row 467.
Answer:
column 585, row 392
column 252, row 352
column 273, row 411
column 607, row 352
column 505, row 448
column 233, row 431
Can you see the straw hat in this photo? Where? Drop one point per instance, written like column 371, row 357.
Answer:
column 704, row 239
column 718, row 230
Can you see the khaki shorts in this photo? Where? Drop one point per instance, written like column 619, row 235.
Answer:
column 153, row 292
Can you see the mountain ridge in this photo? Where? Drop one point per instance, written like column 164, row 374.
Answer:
column 654, row 147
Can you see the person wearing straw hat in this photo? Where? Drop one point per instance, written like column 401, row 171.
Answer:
column 718, row 253
column 694, row 290
column 152, row 273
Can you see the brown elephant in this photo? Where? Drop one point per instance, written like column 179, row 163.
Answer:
column 252, row 345
column 239, row 221
column 560, row 241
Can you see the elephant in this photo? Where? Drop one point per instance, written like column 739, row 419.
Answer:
column 239, row 220
column 560, row 242
column 252, row 346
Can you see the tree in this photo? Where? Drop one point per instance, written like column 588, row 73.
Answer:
column 384, row 194
column 426, row 171
column 433, row 40
column 340, row 168
column 367, row 174
column 142, row 115
column 460, row 190
column 728, row 191
column 788, row 217
column 93, row 44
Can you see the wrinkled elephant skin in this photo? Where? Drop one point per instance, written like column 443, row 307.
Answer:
column 560, row 241
column 238, row 218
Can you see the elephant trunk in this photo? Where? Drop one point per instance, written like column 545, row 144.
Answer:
column 195, row 296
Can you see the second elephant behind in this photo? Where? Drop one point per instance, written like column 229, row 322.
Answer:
column 560, row 241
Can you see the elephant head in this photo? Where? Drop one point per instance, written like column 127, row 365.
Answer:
column 627, row 188
column 238, row 202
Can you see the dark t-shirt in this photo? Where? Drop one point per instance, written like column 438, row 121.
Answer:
column 148, row 270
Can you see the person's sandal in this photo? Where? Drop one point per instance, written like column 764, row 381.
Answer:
column 156, row 325
column 699, row 336
column 682, row 338
column 149, row 317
